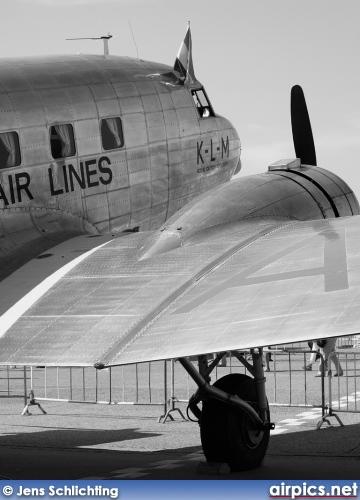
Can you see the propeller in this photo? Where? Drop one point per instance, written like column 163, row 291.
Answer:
column 301, row 128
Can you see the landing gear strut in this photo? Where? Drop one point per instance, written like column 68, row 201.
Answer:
column 235, row 418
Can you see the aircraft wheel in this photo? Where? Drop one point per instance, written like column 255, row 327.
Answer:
column 228, row 434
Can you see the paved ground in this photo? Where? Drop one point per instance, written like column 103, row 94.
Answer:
column 75, row 441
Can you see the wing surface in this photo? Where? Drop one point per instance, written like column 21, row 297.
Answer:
column 259, row 286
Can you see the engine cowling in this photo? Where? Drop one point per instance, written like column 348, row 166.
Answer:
column 288, row 191
column 320, row 184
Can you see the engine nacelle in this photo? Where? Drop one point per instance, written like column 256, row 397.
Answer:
column 288, row 191
column 320, row 184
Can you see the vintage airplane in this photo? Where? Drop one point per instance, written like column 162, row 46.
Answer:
column 95, row 148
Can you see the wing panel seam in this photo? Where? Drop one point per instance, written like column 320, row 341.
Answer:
column 121, row 345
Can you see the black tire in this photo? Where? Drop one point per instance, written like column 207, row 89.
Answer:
column 228, row 434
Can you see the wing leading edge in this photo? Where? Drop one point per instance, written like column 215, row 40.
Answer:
column 257, row 287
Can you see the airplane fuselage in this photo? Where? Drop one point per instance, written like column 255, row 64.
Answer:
column 101, row 144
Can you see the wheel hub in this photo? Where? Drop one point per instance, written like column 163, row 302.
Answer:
column 252, row 435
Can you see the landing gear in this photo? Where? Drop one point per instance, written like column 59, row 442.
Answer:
column 235, row 417
column 229, row 434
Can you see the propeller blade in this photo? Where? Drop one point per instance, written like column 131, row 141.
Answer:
column 301, row 128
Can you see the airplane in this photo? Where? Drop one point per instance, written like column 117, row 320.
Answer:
column 124, row 239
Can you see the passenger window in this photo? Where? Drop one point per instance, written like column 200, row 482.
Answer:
column 111, row 133
column 202, row 103
column 62, row 141
column 9, row 150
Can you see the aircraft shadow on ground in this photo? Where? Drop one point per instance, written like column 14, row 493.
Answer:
column 331, row 440
column 290, row 455
column 72, row 438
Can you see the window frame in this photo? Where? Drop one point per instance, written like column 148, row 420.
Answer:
column 200, row 108
column 17, row 148
column 72, row 140
column 121, row 134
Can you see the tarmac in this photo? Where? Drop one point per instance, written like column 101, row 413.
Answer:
column 112, row 441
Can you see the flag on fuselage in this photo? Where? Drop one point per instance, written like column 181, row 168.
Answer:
column 183, row 62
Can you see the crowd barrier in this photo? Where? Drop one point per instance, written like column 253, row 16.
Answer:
column 13, row 383
column 167, row 385
column 136, row 384
column 343, row 393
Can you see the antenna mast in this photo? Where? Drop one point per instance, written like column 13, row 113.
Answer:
column 137, row 52
column 105, row 39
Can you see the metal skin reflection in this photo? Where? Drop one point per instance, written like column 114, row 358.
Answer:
column 213, row 264
column 170, row 153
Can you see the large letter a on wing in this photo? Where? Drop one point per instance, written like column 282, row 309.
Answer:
column 334, row 269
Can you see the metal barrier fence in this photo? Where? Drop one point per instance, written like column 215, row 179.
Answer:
column 13, row 383
column 289, row 376
column 167, row 385
column 343, row 393
column 137, row 384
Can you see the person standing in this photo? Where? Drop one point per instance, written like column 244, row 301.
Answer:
column 327, row 346
column 314, row 355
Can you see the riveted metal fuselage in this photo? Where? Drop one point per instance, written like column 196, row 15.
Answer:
column 170, row 153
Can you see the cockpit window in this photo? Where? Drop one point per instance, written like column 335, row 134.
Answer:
column 62, row 141
column 202, row 103
column 9, row 150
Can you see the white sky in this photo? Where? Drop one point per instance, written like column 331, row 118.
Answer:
column 247, row 53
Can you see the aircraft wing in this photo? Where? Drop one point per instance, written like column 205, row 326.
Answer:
column 261, row 285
